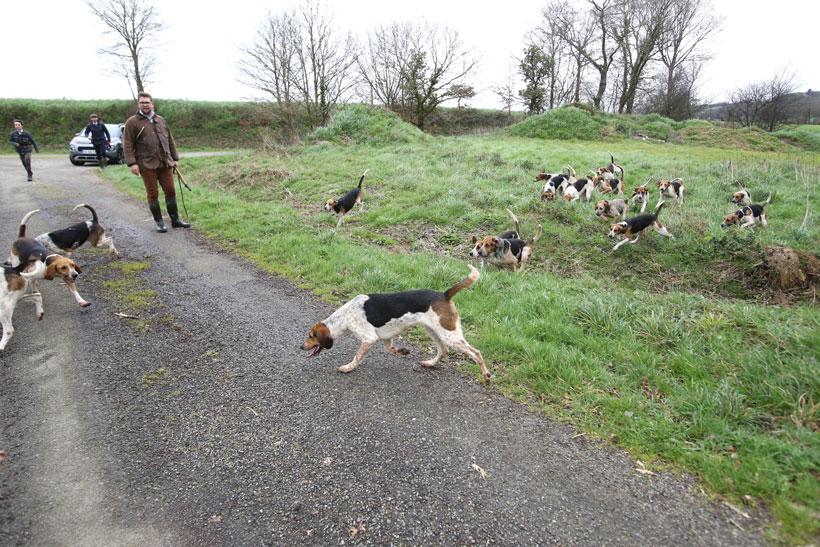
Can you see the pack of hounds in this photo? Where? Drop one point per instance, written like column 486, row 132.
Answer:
column 374, row 318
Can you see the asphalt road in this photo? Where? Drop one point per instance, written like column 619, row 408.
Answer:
column 201, row 422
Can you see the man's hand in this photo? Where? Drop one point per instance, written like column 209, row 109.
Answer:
column 176, row 164
column 135, row 169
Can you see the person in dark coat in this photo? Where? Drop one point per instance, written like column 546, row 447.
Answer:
column 100, row 138
column 22, row 141
column 150, row 151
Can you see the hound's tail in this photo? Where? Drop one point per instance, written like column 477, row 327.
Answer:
column 472, row 278
column 90, row 208
column 611, row 158
column 768, row 199
column 361, row 179
column 517, row 226
column 39, row 268
column 570, row 170
column 658, row 210
column 22, row 231
column 738, row 184
column 536, row 238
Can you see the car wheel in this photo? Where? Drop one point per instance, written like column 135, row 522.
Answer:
column 76, row 162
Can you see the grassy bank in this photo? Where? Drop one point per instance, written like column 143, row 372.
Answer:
column 671, row 348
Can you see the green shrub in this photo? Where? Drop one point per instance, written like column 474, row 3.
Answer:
column 363, row 124
column 567, row 123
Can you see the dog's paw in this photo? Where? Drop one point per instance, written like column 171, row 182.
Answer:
column 402, row 351
column 429, row 364
column 487, row 379
column 84, row 304
column 347, row 368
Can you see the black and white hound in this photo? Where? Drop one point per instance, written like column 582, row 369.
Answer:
column 748, row 216
column 635, row 225
column 374, row 317
column 507, row 250
column 344, row 204
column 73, row 237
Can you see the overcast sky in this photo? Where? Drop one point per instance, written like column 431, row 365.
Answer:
column 51, row 45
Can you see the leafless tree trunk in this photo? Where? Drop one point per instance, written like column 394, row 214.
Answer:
column 642, row 23
column 588, row 36
column 136, row 24
column 690, row 24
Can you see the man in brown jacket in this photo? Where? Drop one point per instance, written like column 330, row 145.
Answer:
column 150, row 151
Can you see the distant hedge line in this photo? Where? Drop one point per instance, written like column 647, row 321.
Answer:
column 195, row 124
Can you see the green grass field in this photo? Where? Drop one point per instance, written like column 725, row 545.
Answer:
column 676, row 350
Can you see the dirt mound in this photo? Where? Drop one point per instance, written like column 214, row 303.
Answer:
column 791, row 271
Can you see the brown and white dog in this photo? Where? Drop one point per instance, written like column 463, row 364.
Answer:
column 12, row 289
column 505, row 252
column 73, row 237
column 611, row 171
column 671, row 188
column 475, row 252
column 635, row 225
column 641, row 195
column 611, row 208
column 374, row 317
column 608, row 185
column 748, row 216
column 344, row 204
column 25, row 249
column 742, row 196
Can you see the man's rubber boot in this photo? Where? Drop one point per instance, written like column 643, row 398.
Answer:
column 157, row 214
column 176, row 222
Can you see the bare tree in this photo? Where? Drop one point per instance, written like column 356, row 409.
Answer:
column 431, row 64
column 641, row 26
column 300, row 60
column 326, row 62
column 506, row 92
column 269, row 66
column 380, row 64
column 764, row 104
column 136, row 24
column 588, row 36
column 690, row 24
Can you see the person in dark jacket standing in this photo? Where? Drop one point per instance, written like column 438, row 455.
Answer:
column 100, row 138
column 150, row 151
column 22, row 141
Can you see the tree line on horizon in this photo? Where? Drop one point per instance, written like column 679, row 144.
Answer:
column 625, row 56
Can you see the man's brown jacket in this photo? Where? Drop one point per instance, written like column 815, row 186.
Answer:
column 149, row 145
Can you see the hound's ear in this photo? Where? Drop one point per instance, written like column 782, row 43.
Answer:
column 77, row 267
column 475, row 240
column 51, row 270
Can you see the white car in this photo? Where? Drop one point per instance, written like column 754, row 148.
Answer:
column 80, row 149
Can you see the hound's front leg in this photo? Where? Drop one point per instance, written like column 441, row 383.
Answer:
column 363, row 349
column 341, row 219
column 621, row 242
column 76, row 294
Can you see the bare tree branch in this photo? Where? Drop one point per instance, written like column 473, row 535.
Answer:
column 135, row 25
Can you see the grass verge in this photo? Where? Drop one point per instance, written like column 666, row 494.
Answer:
column 670, row 348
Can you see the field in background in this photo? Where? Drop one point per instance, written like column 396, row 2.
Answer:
column 672, row 349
